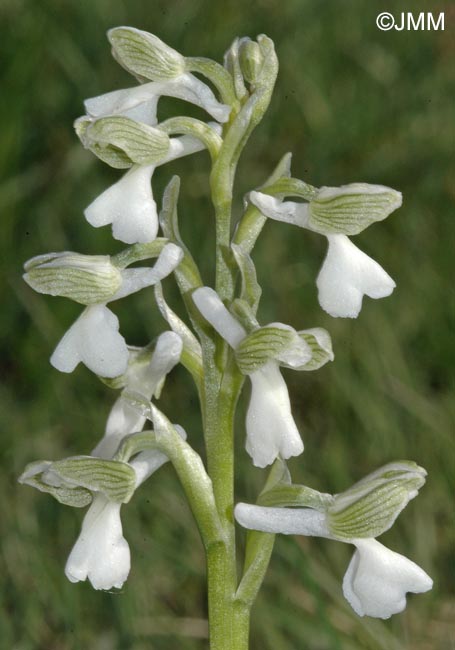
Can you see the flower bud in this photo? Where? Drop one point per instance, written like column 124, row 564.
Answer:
column 251, row 59
column 144, row 54
column 349, row 209
column 370, row 507
column 87, row 279
column 121, row 142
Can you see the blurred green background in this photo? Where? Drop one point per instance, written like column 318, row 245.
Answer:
column 353, row 104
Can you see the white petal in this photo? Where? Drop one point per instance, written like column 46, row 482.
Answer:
column 100, row 553
column 182, row 146
column 270, row 427
column 129, row 206
column 287, row 211
column 211, row 307
column 288, row 521
column 139, row 103
column 378, row 579
column 95, row 340
column 193, row 90
column 124, row 418
column 185, row 86
column 346, row 276
column 138, row 278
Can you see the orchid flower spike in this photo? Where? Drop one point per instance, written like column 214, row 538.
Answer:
column 347, row 273
column 270, row 427
column 377, row 579
column 94, row 338
column 129, row 204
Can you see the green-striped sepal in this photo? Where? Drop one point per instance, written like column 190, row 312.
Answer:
column 145, row 55
column 121, row 142
column 370, row 507
column 304, row 350
column 87, row 279
column 73, row 480
column 349, row 209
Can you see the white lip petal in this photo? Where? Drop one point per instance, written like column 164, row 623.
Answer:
column 129, row 206
column 270, row 427
column 348, row 274
column 211, row 307
column 101, row 554
column 94, row 340
column 287, row 521
column 377, row 580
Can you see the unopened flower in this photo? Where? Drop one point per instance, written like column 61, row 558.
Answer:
column 347, row 274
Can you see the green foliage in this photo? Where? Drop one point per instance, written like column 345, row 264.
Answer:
column 357, row 104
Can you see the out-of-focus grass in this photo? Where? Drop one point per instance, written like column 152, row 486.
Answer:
column 353, row 103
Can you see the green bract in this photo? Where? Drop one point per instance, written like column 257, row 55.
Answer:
column 87, row 279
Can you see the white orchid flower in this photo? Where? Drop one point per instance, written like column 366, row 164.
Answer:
column 101, row 554
column 270, row 427
column 94, row 338
column 377, row 579
column 347, row 273
column 129, row 204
